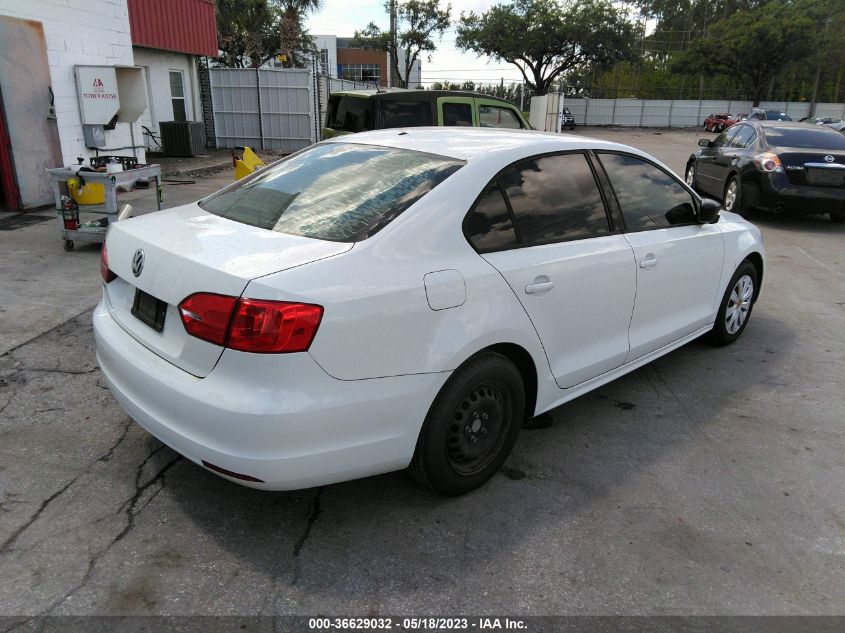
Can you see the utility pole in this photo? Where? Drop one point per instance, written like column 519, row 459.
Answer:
column 394, row 51
column 818, row 71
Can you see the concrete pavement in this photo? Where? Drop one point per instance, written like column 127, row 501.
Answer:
column 709, row 482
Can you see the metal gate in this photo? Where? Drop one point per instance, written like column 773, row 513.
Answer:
column 264, row 108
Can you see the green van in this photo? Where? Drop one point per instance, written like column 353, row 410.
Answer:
column 360, row 110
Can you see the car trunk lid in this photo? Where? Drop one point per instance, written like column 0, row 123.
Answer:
column 186, row 250
column 815, row 168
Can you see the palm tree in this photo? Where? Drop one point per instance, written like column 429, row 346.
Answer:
column 293, row 37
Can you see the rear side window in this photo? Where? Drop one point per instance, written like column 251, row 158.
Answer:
column 350, row 114
column 743, row 137
column 650, row 198
column 494, row 116
column 554, row 199
column 488, row 226
column 342, row 192
column 724, row 139
column 406, row 113
column 457, row 113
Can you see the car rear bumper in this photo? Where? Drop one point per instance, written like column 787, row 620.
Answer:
column 778, row 194
column 279, row 418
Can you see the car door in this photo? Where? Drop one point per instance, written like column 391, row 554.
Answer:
column 678, row 260
column 730, row 155
column 456, row 111
column 708, row 175
column 542, row 223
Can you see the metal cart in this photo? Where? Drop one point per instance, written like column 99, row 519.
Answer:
column 108, row 210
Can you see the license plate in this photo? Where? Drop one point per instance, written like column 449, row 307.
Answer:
column 828, row 177
column 149, row 310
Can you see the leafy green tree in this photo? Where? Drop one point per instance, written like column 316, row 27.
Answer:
column 251, row 32
column 418, row 23
column 545, row 39
column 753, row 44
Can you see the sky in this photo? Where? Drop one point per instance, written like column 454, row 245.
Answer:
column 342, row 17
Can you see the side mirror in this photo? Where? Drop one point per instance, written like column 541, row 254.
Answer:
column 708, row 211
column 703, row 142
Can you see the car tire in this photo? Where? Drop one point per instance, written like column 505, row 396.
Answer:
column 837, row 217
column 732, row 198
column 471, row 426
column 689, row 176
column 735, row 308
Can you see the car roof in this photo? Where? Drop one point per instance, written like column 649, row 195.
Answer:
column 468, row 143
column 413, row 94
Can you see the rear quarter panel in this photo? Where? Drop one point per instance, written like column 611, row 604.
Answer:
column 377, row 320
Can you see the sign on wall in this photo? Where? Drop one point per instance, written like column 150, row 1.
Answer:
column 98, row 94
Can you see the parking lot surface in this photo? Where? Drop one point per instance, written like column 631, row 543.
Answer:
column 708, row 482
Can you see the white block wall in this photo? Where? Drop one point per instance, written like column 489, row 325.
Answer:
column 86, row 32
column 157, row 66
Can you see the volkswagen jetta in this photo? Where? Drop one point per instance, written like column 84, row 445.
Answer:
column 407, row 299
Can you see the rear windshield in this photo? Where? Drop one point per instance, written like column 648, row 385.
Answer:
column 342, row 192
column 805, row 138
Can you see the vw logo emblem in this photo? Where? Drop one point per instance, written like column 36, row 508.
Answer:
column 138, row 263
column 829, row 158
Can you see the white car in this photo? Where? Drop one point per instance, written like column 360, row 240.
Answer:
column 407, row 299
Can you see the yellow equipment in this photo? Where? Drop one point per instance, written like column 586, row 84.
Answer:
column 247, row 163
column 89, row 193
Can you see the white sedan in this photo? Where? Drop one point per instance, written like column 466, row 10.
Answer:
column 407, row 299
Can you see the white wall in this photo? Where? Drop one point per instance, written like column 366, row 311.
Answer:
column 329, row 42
column 86, row 32
column 157, row 66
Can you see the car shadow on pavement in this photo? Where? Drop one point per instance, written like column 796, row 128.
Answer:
column 645, row 449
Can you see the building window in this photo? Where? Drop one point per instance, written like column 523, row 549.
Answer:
column 324, row 61
column 362, row 72
column 177, row 96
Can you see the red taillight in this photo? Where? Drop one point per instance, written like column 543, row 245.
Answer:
column 251, row 325
column 273, row 326
column 105, row 273
column 207, row 316
column 768, row 162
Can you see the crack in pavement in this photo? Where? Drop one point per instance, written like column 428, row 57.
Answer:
column 313, row 513
column 4, row 547
column 129, row 507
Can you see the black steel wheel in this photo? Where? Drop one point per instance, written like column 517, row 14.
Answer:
column 471, row 426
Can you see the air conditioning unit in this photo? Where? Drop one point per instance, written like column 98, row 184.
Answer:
column 182, row 138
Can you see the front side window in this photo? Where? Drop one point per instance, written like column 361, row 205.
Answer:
column 342, row 192
column 555, row 198
column 457, row 113
column 649, row 197
column 494, row 116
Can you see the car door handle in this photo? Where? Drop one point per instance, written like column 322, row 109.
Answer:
column 539, row 286
column 650, row 261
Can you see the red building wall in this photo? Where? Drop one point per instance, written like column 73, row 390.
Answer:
column 181, row 26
